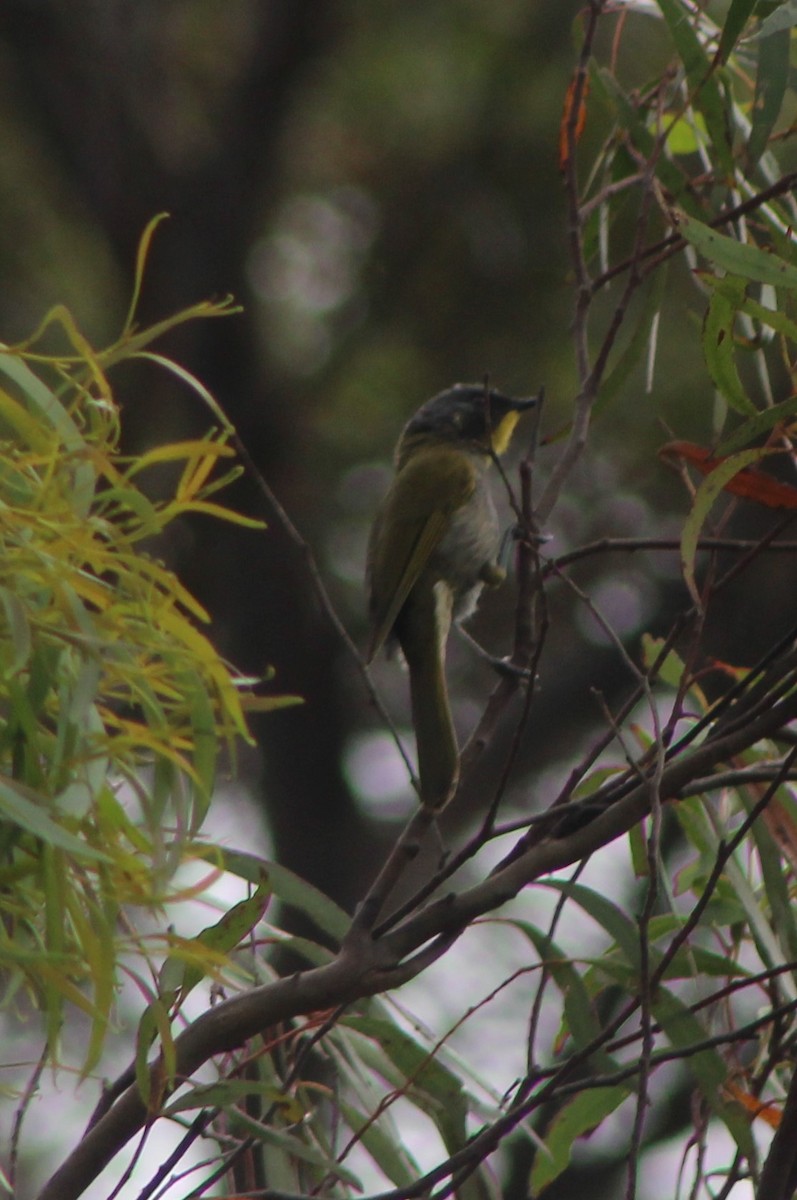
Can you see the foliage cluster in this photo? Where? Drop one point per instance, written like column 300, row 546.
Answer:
column 116, row 706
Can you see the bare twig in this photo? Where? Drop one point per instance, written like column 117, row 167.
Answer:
column 31, row 1087
column 632, row 545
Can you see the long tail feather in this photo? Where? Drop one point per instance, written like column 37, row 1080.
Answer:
column 426, row 622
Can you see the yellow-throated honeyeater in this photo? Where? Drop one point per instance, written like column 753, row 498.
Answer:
column 433, row 547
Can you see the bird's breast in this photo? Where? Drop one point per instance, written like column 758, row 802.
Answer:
column 468, row 545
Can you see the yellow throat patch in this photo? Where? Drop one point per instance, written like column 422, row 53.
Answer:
column 502, row 432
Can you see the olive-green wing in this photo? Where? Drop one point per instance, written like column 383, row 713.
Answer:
column 414, row 516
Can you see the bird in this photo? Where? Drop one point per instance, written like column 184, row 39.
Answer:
column 434, row 545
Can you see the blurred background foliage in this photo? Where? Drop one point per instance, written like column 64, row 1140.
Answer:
column 377, row 183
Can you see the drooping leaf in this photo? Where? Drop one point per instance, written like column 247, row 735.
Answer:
column 704, row 88
column 736, row 18
column 577, row 1117
column 686, row 1032
column 772, row 77
column 719, row 345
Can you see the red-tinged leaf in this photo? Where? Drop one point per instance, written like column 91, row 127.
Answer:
column 565, row 144
column 734, row 673
column 689, row 451
column 754, row 1106
column 744, row 480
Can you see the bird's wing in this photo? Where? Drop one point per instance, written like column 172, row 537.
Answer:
column 417, row 511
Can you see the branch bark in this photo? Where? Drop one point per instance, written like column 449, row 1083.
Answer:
column 368, row 964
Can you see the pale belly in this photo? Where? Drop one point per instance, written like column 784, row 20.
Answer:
column 468, row 547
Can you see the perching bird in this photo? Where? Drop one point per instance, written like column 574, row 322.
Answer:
column 433, row 547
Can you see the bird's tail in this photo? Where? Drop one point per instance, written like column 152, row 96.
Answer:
column 424, row 646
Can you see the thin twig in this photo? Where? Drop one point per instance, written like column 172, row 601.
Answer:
column 632, row 545
column 31, row 1087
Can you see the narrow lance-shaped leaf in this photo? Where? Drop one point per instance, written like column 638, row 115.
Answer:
column 719, row 345
column 783, row 16
column 772, row 77
column 577, row 1117
column 582, row 1022
column 738, row 258
column 736, row 18
column 704, row 88
column 757, row 426
column 685, row 1032
column 705, row 496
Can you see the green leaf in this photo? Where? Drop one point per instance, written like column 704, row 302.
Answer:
column 685, row 1032
column 22, row 805
column 783, row 17
column 719, row 343
column 736, row 18
column 620, row 928
column 18, row 631
column 227, row 1092
column 772, row 317
column 772, row 79
column 629, row 120
column 582, row 1023
column 221, row 938
column 705, row 496
column 671, row 669
column 578, row 1116
column 703, row 85
column 290, row 889
column 294, row 1147
column 638, row 845
column 639, row 343
column 686, row 134
column 45, row 403
column 691, row 961
column 776, row 886
column 385, row 1147
column 54, row 882
column 430, row 1085
column 127, row 502
column 755, row 427
column 738, row 901
column 738, row 258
